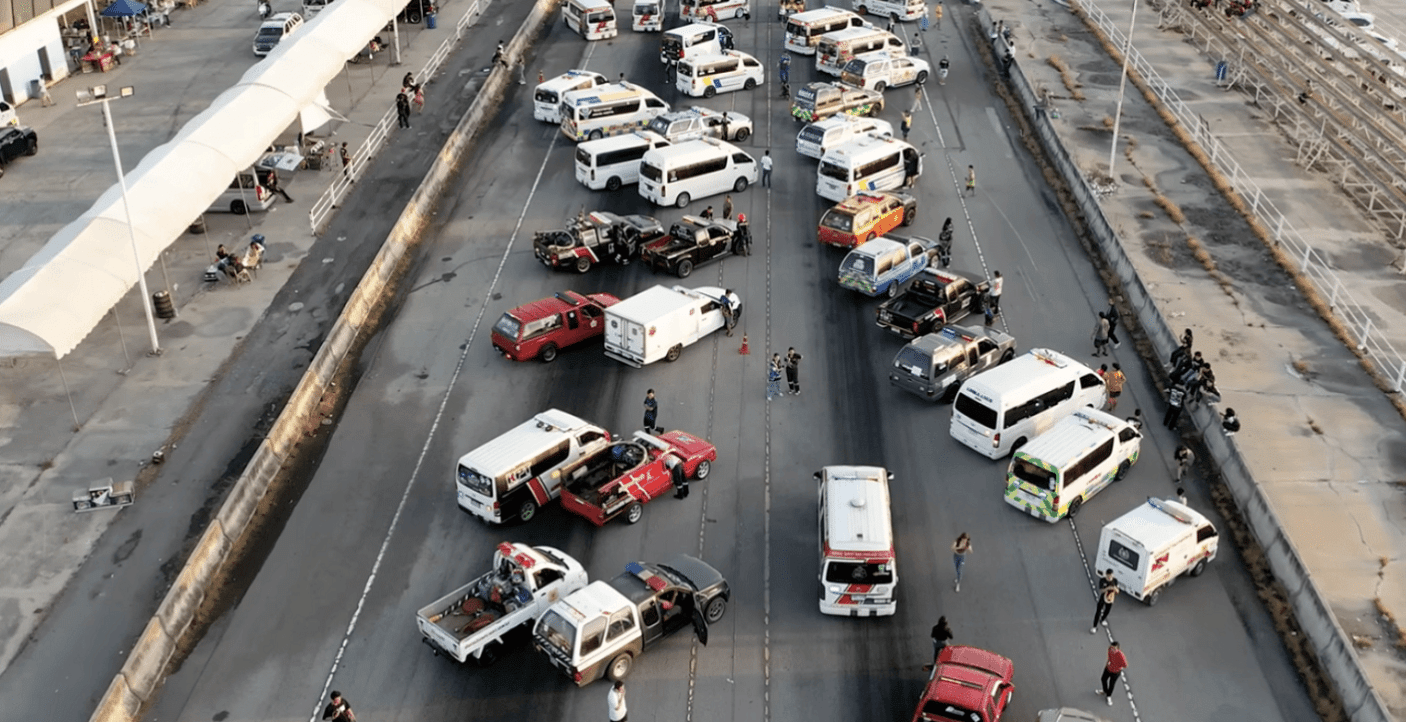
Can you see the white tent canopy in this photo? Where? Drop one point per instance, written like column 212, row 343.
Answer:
column 51, row 303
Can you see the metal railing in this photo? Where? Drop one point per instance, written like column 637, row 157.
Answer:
column 321, row 212
column 1355, row 319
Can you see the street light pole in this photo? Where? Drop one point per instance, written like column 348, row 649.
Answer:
column 98, row 94
column 1122, row 83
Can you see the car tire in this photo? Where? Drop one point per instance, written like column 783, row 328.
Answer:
column 717, row 607
column 879, row 86
column 910, row 215
column 1151, row 599
column 740, row 185
column 682, row 200
column 922, row 77
column 527, row 511
column 548, row 353
column 489, row 654
column 862, row 9
column 709, row 91
column 1074, row 507
column 742, row 134
column 704, row 468
column 619, row 667
column 1122, row 470
column 613, row 184
column 595, row 135
column 1197, row 570
column 685, row 267
column 674, row 353
column 583, row 264
column 750, row 84
column 238, row 208
column 1018, row 443
column 1008, row 355
column 894, row 289
column 32, row 148
column 634, row 513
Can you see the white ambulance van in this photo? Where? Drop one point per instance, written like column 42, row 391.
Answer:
column 546, row 100
column 1052, row 476
column 858, row 566
column 998, row 411
column 592, row 19
column 659, row 322
column 835, row 50
column 511, row 476
column 1152, row 546
column 803, row 30
column 648, row 16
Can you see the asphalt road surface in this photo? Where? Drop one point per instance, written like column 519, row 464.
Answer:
column 378, row 534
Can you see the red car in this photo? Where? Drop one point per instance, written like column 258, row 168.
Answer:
column 967, row 684
column 542, row 328
column 625, row 476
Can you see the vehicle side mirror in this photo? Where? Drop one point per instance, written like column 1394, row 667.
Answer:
column 816, row 476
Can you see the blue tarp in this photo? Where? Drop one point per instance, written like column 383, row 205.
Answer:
column 123, row 9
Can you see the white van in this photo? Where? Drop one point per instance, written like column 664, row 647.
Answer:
column 511, row 476
column 895, row 10
column 647, row 16
column 715, row 10
column 867, row 163
column 613, row 162
column 835, row 50
column 1150, row 547
column 659, row 322
column 803, row 30
column 546, row 100
column 244, row 194
column 692, row 41
column 313, row 7
column 1052, row 476
column 858, row 566
column 613, row 109
column 998, row 411
column 817, row 138
column 592, row 19
column 694, row 169
column 709, row 75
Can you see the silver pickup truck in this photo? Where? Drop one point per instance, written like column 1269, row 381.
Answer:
column 935, row 365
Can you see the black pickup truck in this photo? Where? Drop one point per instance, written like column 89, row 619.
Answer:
column 934, row 299
column 691, row 242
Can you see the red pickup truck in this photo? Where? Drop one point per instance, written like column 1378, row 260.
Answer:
column 542, row 328
column 623, row 477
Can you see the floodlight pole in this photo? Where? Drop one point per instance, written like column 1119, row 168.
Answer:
column 1122, row 83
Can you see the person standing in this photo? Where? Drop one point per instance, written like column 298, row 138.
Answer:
column 941, row 635
column 729, row 314
column 1176, row 396
column 1117, row 662
column 615, row 702
column 917, row 98
column 773, row 377
column 923, row 24
column 651, row 412
column 1230, row 423
column 793, row 370
column 1113, row 317
column 907, row 123
column 997, row 286
column 971, row 180
column 727, row 207
column 937, row 15
column 960, row 549
column 402, row 109
column 1101, row 335
column 346, row 159
column 1107, row 592
column 1114, row 381
column 1185, row 457
column 339, row 709
column 541, row 77
column 676, row 475
column 766, row 169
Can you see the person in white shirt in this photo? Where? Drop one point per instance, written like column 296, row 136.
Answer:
column 766, row 169
column 615, row 700
column 996, row 283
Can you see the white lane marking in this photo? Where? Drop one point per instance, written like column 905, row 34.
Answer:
column 995, row 121
column 429, row 438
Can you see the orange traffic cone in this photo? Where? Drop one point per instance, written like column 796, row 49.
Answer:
column 744, row 350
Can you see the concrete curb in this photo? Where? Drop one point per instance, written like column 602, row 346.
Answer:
column 142, row 674
column 1311, row 608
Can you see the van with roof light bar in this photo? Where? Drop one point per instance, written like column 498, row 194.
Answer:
column 591, row 19
column 895, row 10
column 858, row 566
column 511, row 476
column 815, row 139
column 804, row 29
column 1051, row 477
column 546, row 99
column 867, row 163
column 999, row 411
column 835, row 50
column 613, row 109
column 715, row 10
column 694, row 41
column 1154, row 545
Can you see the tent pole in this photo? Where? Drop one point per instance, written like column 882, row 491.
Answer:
column 76, row 426
column 395, row 33
column 118, row 318
column 167, row 276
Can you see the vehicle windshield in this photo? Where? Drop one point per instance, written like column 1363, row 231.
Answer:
column 980, row 414
column 650, row 172
column 475, row 481
column 837, row 221
column 508, row 326
column 553, row 629
column 270, row 33
column 1032, row 474
column 938, row 710
column 856, row 572
column 857, row 263
column 911, row 358
column 831, row 170
column 646, row 9
column 547, row 96
column 660, row 125
column 856, row 67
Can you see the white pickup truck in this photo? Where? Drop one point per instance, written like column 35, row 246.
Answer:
column 473, row 620
column 658, row 322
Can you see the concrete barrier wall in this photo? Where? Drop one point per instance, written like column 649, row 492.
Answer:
column 145, row 666
column 1311, row 608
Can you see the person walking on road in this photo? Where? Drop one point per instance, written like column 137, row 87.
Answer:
column 971, row 180
column 1176, row 396
column 1113, row 317
column 727, row 207
column 917, row 99
column 651, row 412
column 1100, row 335
column 937, row 16
column 773, row 377
column 907, row 124
column 766, row 169
column 1107, row 592
column 339, row 709
column 1185, row 457
column 960, row 549
column 943, row 66
column 1117, row 662
column 997, row 286
column 402, row 109
column 273, row 185
column 1114, row 381
column 793, row 370
column 941, row 635
column 615, row 702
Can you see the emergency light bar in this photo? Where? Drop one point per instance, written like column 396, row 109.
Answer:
column 650, row 579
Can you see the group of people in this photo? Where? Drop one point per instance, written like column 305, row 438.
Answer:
column 1191, row 379
column 411, row 94
column 790, row 365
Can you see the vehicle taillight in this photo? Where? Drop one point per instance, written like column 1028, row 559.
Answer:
column 915, row 327
column 576, row 677
column 995, row 441
column 495, row 507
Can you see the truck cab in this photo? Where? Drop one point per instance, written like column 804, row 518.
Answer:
column 934, row 366
column 598, row 631
column 934, row 299
column 881, row 266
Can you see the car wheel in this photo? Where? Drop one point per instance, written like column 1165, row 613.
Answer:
column 740, row 185
column 674, row 353
column 682, row 200
column 527, row 511
column 613, row 184
column 893, row 17
column 1018, row 443
column 879, row 86
column 704, row 468
column 717, row 607
column 1074, row 507
column 1151, row 599
column 1008, row 355
column 922, row 77
column 619, row 667
column 910, row 215
column 1122, row 470
column 742, row 134
column 893, row 290
column 489, row 654
column 709, row 91
column 685, row 268
column 634, row 513
column 595, row 135
column 750, row 84
column 238, row 208
column 33, row 147
column 862, row 9
column 548, row 353
column 583, row 264
column 1198, row 569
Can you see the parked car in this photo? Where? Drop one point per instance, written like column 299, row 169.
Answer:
column 693, row 241
column 681, row 125
column 969, row 684
column 818, row 101
column 542, row 328
column 815, row 139
column 880, row 70
column 866, row 216
column 274, row 30
column 883, row 265
column 594, row 238
column 934, row 366
column 16, row 141
column 620, row 480
column 935, row 299
column 246, row 192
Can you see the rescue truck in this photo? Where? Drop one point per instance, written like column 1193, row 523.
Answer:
column 692, row 241
column 474, row 621
column 540, row 329
column 1152, row 546
column 595, row 238
column 620, row 480
column 658, row 322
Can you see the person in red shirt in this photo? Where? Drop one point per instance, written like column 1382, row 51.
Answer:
column 1111, row 671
